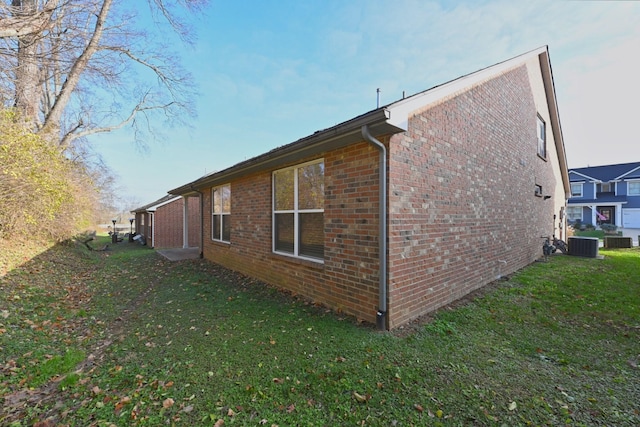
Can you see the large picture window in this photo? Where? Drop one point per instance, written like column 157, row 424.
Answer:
column 221, row 213
column 542, row 138
column 298, row 210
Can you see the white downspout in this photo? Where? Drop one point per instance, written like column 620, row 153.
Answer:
column 381, row 315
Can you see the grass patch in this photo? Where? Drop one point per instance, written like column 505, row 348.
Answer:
column 190, row 343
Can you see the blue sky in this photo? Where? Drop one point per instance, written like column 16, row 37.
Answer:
column 270, row 72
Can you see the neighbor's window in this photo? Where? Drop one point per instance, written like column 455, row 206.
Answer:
column 634, row 188
column 574, row 213
column 576, row 190
column 221, row 213
column 298, row 210
column 542, row 138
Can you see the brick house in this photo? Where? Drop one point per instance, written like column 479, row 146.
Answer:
column 163, row 224
column 465, row 176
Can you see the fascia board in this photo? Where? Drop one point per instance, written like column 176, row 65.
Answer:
column 627, row 173
column 401, row 110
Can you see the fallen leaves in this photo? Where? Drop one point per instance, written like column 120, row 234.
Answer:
column 168, row 403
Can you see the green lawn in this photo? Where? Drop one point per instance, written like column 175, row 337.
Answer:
column 123, row 338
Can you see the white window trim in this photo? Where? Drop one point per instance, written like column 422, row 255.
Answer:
column 295, row 211
column 569, row 212
column 222, row 214
column 628, row 187
column 581, row 188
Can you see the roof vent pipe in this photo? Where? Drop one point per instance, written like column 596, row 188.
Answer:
column 381, row 315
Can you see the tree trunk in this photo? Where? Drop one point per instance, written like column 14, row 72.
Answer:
column 26, row 73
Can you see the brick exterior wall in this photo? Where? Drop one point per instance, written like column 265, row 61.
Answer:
column 347, row 281
column 462, row 209
column 168, row 224
column 462, row 204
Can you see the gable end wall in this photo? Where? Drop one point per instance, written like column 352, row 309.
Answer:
column 462, row 205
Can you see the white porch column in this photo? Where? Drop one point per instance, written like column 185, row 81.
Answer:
column 185, row 223
column 594, row 220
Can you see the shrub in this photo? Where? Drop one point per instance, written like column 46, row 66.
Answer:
column 42, row 192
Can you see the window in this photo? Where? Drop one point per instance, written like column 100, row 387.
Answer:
column 605, row 187
column 576, row 190
column 298, row 210
column 634, row 188
column 574, row 213
column 542, row 138
column 221, row 213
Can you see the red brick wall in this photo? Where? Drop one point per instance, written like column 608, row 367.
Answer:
column 463, row 209
column 143, row 226
column 347, row 281
column 168, row 224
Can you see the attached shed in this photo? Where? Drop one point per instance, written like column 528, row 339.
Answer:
column 403, row 209
column 167, row 223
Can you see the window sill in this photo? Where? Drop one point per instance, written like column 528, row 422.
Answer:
column 319, row 264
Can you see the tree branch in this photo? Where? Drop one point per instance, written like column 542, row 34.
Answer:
column 20, row 25
column 53, row 118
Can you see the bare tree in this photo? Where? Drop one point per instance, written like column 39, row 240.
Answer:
column 80, row 67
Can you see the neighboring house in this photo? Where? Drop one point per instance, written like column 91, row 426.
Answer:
column 406, row 208
column 163, row 224
column 605, row 195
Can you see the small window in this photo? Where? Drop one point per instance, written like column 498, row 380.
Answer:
column 542, row 138
column 298, row 211
column 605, row 187
column 221, row 213
column 576, row 190
column 634, row 188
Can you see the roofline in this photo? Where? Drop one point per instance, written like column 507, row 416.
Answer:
column 549, row 86
column 400, row 110
column 586, row 176
column 405, row 106
column 387, row 120
column 151, row 207
column 338, row 136
column 627, row 173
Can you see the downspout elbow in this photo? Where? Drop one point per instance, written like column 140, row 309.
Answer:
column 381, row 315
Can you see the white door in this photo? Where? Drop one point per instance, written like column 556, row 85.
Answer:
column 631, row 218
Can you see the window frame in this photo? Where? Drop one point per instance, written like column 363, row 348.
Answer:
column 541, row 128
column 571, row 210
column 222, row 214
column 635, row 193
column 581, row 189
column 296, row 212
